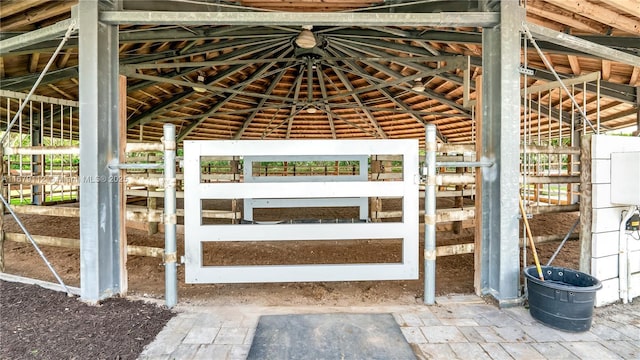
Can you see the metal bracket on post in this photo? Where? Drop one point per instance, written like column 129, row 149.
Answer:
column 525, row 71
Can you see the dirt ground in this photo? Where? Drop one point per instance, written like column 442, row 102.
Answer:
column 454, row 274
column 38, row 323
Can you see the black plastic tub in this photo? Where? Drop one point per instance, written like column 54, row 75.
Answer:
column 564, row 300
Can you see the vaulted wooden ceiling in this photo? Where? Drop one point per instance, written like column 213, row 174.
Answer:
column 254, row 82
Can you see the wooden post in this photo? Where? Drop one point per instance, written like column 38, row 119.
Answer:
column 234, row 209
column 235, row 170
column 585, row 204
column 152, row 204
column 458, row 202
column 375, row 206
column 569, row 194
column 122, row 106
column 477, row 253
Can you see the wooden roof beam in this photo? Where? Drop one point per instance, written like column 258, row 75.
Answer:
column 575, row 64
column 606, row 70
column 424, row 72
column 26, row 81
column 33, row 62
column 562, row 16
column 256, row 75
column 601, row 14
column 392, row 97
column 64, row 59
column 159, row 108
column 245, row 124
column 631, row 7
column 635, row 76
column 343, row 78
column 12, row 7
column 33, row 15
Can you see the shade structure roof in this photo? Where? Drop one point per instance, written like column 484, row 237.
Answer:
column 256, row 82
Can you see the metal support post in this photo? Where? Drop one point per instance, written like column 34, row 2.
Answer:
column 170, row 251
column 100, row 250
column 430, row 215
column 500, row 268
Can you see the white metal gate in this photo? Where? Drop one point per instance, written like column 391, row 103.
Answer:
column 197, row 233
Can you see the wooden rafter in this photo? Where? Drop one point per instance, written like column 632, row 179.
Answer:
column 631, row 7
column 33, row 62
column 606, row 70
column 601, row 14
column 11, row 7
column 64, row 59
column 575, row 64
column 245, row 124
column 345, row 81
column 635, row 76
column 564, row 17
column 218, row 77
column 285, row 50
column 538, row 20
column 33, row 15
column 384, row 91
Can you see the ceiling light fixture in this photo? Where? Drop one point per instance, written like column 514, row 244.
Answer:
column 418, row 85
column 306, row 39
column 197, row 88
column 312, row 109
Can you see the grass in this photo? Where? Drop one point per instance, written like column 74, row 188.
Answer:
column 27, row 200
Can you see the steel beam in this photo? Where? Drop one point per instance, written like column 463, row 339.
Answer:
column 219, row 89
column 357, row 99
column 148, row 115
column 256, row 75
column 327, row 107
column 164, row 35
column 100, row 265
column 274, row 83
column 621, row 92
column 26, row 81
column 442, row 19
column 33, row 37
column 500, row 138
column 424, row 72
column 386, row 92
column 294, row 107
column 576, row 43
